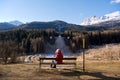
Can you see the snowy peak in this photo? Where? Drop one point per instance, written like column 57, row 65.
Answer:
column 107, row 17
column 16, row 23
column 114, row 14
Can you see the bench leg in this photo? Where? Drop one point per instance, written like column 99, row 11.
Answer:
column 40, row 65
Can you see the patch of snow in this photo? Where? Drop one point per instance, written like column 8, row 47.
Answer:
column 28, row 59
column 16, row 23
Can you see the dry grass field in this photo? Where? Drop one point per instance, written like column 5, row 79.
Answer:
column 105, row 52
column 94, row 70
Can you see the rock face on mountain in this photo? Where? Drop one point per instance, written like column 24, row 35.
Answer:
column 112, row 17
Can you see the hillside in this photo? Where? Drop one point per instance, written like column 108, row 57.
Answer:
column 6, row 26
column 57, row 25
column 106, row 52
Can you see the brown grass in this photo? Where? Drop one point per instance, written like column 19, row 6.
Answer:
column 106, row 52
column 30, row 71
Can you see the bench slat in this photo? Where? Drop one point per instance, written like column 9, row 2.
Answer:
column 57, row 58
column 59, row 64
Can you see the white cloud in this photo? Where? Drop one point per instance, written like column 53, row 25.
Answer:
column 115, row 1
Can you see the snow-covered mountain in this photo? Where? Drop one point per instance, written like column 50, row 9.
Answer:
column 115, row 16
column 16, row 23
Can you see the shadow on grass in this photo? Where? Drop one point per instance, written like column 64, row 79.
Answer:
column 98, row 75
column 0, row 75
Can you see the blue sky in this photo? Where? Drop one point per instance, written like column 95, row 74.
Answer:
column 72, row 11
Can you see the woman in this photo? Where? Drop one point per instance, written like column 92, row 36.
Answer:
column 58, row 60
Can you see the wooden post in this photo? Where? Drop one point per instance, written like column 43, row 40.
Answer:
column 83, row 54
column 83, row 43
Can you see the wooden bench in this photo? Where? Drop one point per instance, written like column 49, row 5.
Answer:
column 66, row 61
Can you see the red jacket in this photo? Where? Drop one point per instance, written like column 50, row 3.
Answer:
column 59, row 57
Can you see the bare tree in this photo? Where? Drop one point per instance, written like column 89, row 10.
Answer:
column 8, row 51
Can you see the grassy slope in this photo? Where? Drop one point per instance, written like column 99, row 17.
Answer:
column 106, row 52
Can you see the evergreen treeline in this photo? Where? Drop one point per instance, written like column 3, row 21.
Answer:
column 19, row 42
column 74, row 38
column 104, row 37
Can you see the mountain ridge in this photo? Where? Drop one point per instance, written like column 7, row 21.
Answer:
column 58, row 25
column 97, row 20
column 61, row 26
column 6, row 26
